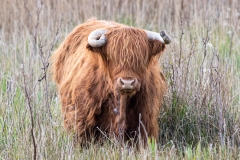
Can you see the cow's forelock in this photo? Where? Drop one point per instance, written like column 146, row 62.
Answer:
column 127, row 49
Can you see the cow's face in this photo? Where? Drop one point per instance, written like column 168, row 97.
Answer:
column 127, row 52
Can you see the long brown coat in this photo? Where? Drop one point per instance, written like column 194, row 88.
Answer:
column 87, row 80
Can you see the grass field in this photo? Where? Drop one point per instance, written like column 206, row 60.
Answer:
column 200, row 118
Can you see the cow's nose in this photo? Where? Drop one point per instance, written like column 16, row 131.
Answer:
column 127, row 83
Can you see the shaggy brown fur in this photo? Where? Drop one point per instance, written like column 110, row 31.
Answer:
column 86, row 76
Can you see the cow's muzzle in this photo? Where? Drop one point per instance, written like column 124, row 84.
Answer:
column 127, row 85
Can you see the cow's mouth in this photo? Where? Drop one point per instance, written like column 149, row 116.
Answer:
column 127, row 91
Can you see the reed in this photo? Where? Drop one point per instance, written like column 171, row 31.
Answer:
column 201, row 112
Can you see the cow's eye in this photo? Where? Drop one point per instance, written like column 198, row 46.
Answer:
column 118, row 71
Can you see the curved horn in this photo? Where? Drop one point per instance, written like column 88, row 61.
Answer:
column 162, row 37
column 97, row 38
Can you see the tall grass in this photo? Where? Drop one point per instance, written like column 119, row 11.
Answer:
column 201, row 112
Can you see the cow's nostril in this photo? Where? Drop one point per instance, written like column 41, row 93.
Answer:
column 121, row 81
column 135, row 81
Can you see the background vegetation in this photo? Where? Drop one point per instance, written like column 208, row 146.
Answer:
column 200, row 118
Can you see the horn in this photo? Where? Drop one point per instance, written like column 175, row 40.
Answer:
column 165, row 37
column 162, row 37
column 97, row 38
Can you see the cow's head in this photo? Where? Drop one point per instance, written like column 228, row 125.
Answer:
column 127, row 52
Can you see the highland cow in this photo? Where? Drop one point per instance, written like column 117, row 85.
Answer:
column 109, row 80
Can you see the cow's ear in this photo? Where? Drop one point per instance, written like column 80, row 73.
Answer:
column 94, row 49
column 89, row 47
column 156, row 47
